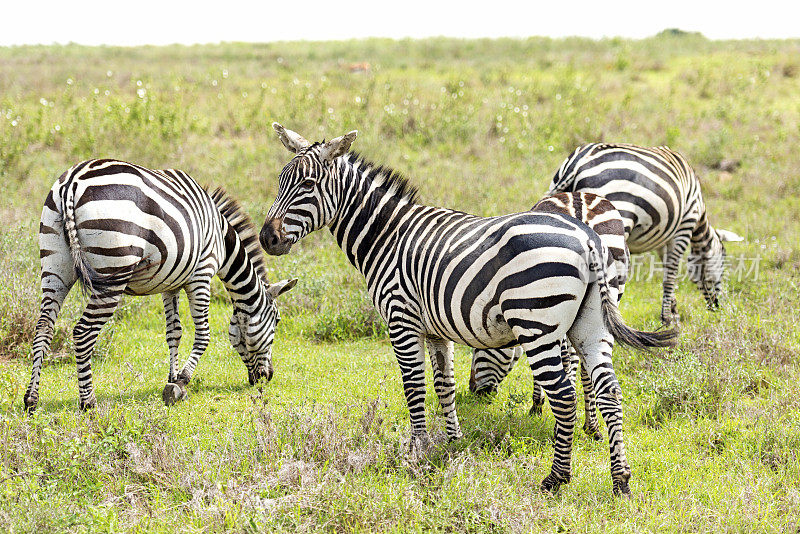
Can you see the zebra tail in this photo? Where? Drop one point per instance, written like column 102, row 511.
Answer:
column 91, row 281
column 613, row 320
column 86, row 274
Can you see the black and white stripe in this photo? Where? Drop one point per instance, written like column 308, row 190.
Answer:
column 491, row 366
column 123, row 229
column 658, row 195
column 439, row 276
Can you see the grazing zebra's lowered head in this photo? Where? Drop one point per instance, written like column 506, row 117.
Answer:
column 255, row 311
column 310, row 199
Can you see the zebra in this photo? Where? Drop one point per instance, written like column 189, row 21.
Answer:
column 491, row 366
column 658, row 195
column 439, row 276
column 123, row 229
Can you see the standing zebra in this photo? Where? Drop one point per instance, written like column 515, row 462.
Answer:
column 120, row 228
column 658, row 195
column 437, row 276
column 491, row 366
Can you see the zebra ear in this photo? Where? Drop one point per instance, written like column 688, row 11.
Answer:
column 293, row 141
column 727, row 235
column 279, row 288
column 336, row 147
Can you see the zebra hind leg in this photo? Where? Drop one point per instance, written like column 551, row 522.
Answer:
column 58, row 277
column 545, row 361
column 591, row 337
column 52, row 300
column 98, row 311
column 199, row 296
column 172, row 391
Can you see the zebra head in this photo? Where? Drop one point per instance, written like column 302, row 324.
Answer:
column 706, row 265
column 307, row 190
column 252, row 332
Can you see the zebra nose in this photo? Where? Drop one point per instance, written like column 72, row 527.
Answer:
column 268, row 237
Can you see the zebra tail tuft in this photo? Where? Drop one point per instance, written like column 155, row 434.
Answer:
column 613, row 320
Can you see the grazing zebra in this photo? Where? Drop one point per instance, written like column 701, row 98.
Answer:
column 439, row 276
column 658, row 195
column 120, row 228
column 491, row 366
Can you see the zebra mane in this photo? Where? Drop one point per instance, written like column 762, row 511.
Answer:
column 243, row 225
column 385, row 177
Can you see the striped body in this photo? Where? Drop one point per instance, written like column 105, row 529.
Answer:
column 491, row 366
column 439, row 276
column 123, row 229
column 658, row 196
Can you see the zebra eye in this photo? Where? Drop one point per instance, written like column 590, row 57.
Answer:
column 308, row 183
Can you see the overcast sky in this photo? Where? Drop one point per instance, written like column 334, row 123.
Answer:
column 139, row 22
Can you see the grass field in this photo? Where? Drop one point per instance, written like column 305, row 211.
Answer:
column 712, row 427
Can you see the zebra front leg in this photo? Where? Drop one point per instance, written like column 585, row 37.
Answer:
column 52, row 300
column 199, row 296
column 410, row 353
column 548, row 371
column 672, row 260
column 172, row 391
column 98, row 311
column 444, row 382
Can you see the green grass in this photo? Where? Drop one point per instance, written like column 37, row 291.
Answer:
column 712, row 427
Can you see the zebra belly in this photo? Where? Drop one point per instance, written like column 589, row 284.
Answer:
column 538, row 286
column 496, row 333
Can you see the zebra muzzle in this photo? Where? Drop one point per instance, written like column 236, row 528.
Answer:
column 258, row 373
column 273, row 239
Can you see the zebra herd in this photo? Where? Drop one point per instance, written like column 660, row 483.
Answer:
column 546, row 282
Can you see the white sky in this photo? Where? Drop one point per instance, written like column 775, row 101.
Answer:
column 136, row 22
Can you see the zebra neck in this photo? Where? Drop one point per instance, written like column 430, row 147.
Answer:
column 238, row 274
column 367, row 216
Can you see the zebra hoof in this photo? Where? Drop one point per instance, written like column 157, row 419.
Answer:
column 31, row 401
column 420, row 445
column 593, row 432
column 88, row 404
column 552, row 483
column 173, row 393
column 619, row 483
column 621, row 488
column 455, row 437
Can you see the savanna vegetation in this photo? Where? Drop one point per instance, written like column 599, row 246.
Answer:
column 712, row 427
